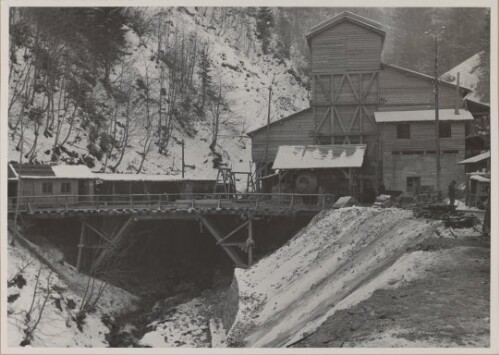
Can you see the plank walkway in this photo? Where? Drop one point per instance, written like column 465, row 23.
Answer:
column 160, row 206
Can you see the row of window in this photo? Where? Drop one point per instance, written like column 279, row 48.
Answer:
column 47, row 187
column 404, row 130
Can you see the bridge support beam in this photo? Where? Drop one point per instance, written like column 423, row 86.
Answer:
column 81, row 245
column 117, row 239
column 250, row 242
column 219, row 237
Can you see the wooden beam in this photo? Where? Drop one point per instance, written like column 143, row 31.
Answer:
column 217, row 235
column 339, row 120
column 233, row 232
column 353, row 87
column 327, row 94
column 250, row 243
column 120, row 235
column 98, row 232
column 81, row 244
column 323, row 119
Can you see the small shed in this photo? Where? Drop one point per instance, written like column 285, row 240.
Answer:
column 56, row 184
column 478, row 189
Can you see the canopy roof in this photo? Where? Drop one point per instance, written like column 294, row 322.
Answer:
column 480, row 178
column 476, row 158
column 421, row 115
column 319, row 156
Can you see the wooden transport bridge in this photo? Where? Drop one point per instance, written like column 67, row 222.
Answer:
column 126, row 210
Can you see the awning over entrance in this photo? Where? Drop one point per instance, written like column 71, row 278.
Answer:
column 319, row 156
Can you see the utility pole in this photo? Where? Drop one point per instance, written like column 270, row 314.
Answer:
column 183, row 161
column 436, row 35
column 437, row 128
column 268, row 134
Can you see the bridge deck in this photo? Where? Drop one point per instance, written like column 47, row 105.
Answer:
column 172, row 205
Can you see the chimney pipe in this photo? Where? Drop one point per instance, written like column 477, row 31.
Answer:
column 456, row 110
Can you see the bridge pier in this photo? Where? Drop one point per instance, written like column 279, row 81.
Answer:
column 81, row 245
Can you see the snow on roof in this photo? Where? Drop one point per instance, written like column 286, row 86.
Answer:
column 476, row 158
column 319, row 156
column 145, row 177
column 12, row 174
column 33, row 170
column 479, row 178
column 422, row 115
column 72, row 172
column 469, row 76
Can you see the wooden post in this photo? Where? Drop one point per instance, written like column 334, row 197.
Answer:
column 437, row 128
column 267, row 143
column 81, row 244
column 250, row 243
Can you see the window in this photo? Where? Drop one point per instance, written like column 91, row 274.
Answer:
column 403, row 131
column 444, row 129
column 413, row 184
column 47, row 187
column 65, row 187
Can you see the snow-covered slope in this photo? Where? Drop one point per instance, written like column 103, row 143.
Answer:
column 245, row 74
column 326, row 267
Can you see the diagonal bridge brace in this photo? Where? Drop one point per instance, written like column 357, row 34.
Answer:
column 219, row 237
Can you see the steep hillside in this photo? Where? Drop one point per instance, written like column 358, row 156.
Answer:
column 122, row 133
column 55, row 309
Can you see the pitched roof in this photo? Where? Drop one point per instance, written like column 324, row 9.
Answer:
column 421, row 115
column 26, row 170
column 319, row 156
column 476, row 158
column 251, row 133
column 346, row 16
column 52, row 171
column 11, row 173
column 423, row 76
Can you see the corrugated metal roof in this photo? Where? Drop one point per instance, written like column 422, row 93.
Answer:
column 476, row 158
column 319, row 156
column 421, row 115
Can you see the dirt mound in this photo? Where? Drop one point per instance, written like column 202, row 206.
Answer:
column 291, row 292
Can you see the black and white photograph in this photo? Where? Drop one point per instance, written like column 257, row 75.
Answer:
column 227, row 178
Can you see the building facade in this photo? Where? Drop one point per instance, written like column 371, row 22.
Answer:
column 350, row 84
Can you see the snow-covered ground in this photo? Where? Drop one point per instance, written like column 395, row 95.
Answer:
column 57, row 326
column 331, row 264
column 186, row 326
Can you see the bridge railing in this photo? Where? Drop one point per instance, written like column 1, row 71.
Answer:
column 290, row 201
